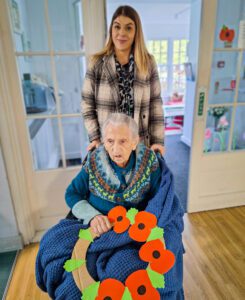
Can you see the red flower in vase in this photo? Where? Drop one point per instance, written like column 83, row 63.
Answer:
column 227, row 34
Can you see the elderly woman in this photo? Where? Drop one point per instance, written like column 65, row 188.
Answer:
column 121, row 171
column 112, row 173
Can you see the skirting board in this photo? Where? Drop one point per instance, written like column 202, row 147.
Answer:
column 11, row 243
column 185, row 140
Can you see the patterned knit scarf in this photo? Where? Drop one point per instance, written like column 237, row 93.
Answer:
column 103, row 180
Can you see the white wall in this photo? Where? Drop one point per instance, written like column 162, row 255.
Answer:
column 195, row 19
column 9, row 236
column 160, row 20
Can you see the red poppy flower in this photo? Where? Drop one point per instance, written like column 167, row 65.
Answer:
column 230, row 34
column 227, row 34
column 141, row 229
column 110, row 289
column 160, row 259
column 140, row 286
column 117, row 215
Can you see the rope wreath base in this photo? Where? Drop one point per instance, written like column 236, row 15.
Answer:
column 141, row 284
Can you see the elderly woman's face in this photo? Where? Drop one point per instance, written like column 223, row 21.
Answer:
column 119, row 143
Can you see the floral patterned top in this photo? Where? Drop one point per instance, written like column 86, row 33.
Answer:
column 125, row 75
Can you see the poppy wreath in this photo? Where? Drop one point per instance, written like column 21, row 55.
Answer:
column 139, row 285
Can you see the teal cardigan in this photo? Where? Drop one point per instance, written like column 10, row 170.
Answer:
column 103, row 184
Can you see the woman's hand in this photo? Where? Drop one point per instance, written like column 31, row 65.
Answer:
column 158, row 147
column 94, row 144
column 100, row 224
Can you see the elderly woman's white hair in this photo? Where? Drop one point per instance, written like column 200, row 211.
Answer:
column 117, row 119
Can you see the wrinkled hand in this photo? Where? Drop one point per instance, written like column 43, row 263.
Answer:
column 158, row 147
column 94, row 144
column 100, row 224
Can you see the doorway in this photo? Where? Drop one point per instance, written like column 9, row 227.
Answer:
column 171, row 30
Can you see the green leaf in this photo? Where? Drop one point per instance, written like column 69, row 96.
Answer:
column 131, row 214
column 156, row 233
column 72, row 264
column 126, row 295
column 86, row 235
column 157, row 280
column 91, row 291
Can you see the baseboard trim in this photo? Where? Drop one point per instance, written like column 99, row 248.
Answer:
column 185, row 140
column 11, row 243
column 10, row 277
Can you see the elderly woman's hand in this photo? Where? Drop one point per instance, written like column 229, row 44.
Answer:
column 94, row 144
column 158, row 147
column 100, row 224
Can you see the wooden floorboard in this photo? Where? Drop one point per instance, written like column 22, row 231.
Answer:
column 214, row 263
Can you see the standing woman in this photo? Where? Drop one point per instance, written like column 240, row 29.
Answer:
column 123, row 77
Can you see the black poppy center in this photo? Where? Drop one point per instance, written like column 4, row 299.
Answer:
column 141, row 290
column 119, row 219
column 141, row 226
column 227, row 34
column 156, row 254
column 107, row 298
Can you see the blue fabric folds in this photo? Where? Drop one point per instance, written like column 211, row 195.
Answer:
column 113, row 255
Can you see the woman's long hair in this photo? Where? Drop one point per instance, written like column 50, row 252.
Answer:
column 141, row 55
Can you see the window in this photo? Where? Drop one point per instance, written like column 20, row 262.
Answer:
column 170, row 55
column 160, row 51
column 179, row 58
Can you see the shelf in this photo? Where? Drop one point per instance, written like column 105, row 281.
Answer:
column 173, row 110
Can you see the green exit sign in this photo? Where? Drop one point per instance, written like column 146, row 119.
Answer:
column 201, row 103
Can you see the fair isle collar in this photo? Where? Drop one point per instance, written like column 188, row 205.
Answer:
column 103, row 176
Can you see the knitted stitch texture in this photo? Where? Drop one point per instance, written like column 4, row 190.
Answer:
column 113, row 255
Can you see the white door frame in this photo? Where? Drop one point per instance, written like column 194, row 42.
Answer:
column 13, row 132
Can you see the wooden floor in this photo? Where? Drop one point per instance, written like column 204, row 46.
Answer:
column 214, row 263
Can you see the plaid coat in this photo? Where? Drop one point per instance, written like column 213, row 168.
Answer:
column 100, row 97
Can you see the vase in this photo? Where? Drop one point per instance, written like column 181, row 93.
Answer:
column 227, row 44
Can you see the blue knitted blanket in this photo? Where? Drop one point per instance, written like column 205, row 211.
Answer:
column 113, row 255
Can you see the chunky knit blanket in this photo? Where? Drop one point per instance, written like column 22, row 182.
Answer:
column 113, row 255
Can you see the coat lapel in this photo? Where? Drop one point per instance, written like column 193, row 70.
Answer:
column 110, row 71
column 138, row 93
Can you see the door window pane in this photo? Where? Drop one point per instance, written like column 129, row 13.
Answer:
column 28, row 25
column 241, row 89
column 67, row 31
column 238, row 137
column 37, row 84
column 229, row 14
column 44, row 141
column 70, row 73
column 217, row 129
column 159, row 49
column 75, row 140
column 223, row 77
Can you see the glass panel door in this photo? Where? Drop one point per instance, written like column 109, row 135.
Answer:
column 48, row 38
column 217, row 159
column 225, row 124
